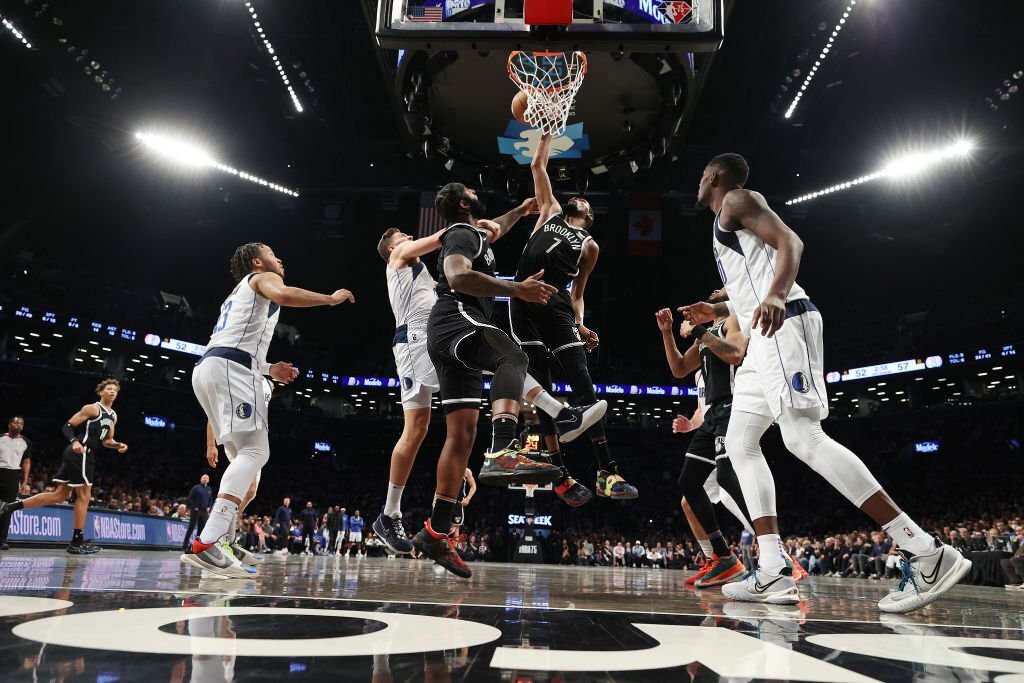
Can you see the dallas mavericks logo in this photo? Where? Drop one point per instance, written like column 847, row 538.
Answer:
column 800, row 383
column 407, row 383
column 243, row 410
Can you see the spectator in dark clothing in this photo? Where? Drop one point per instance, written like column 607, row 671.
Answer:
column 309, row 517
column 1014, row 567
column 334, row 524
column 199, row 503
column 957, row 541
column 283, row 524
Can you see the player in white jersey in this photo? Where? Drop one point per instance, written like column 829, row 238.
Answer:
column 781, row 380
column 228, row 381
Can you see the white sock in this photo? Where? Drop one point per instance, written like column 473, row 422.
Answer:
column 705, row 547
column 547, row 403
column 393, row 504
column 773, row 557
column 233, row 529
column 908, row 535
column 220, row 521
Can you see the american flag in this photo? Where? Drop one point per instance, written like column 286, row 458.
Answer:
column 430, row 220
column 421, row 13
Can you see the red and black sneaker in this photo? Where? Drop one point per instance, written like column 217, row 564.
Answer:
column 441, row 549
column 572, row 493
column 511, row 466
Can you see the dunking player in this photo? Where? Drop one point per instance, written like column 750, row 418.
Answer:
column 564, row 250
column 463, row 344
column 228, row 382
column 86, row 431
column 782, row 380
column 715, row 351
column 412, row 296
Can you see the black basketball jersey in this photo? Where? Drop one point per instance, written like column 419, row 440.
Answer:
column 465, row 240
column 717, row 373
column 92, row 432
column 555, row 247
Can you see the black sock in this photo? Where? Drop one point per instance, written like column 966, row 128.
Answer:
column 77, row 538
column 441, row 517
column 718, row 544
column 15, row 506
column 504, row 432
column 604, row 456
column 556, row 458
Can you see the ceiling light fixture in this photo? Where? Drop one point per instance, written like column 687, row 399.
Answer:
column 17, row 34
column 258, row 26
column 821, row 58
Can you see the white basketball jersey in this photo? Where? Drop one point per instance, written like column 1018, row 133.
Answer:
column 747, row 267
column 412, row 295
column 247, row 321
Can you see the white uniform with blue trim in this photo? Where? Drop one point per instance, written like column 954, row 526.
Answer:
column 411, row 292
column 228, row 380
column 786, row 370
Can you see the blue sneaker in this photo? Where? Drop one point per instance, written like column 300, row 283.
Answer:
column 391, row 531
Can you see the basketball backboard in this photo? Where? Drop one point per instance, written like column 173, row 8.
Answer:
column 684, row 26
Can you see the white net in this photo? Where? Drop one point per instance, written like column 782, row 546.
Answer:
column 550, row 81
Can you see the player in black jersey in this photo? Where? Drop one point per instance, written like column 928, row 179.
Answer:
column 715, row 351
column 463, row 344
column 562, row 247
column 87, row 431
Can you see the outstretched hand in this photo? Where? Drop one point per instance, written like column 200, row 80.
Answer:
column 698, row 313
column 682, row 425
column 664, row 318
column 283, row 372
column 341, row 296
column 535, row 290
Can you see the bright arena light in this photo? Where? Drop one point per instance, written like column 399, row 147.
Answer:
column 17, row 34
column 821, row 58
column 189, row 155
column 899, row 167
column 258, row 25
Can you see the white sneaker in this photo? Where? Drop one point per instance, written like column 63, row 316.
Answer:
column 759, row 586
column 925, row 578
column 248, row 558
column 215, row 560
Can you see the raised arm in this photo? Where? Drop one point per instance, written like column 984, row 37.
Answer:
column 731, row 349
column 408, row 250
column 506, row 221
column 579, row 286
column 680, row 364
column 546, row 201
column 271, row 286
column 749, row 210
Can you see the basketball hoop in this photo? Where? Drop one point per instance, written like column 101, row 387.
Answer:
column 550, row 81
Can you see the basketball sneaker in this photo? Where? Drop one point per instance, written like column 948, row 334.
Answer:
column 759, row 586
column 925, row 578
column 572, row 493
column 441, row 549
column 246, row 557
column 213, row 559
column 799, row 573
column 510, row 466
column 612, row 485
column 391, row 531
column 574, row 420
column 701, row 573
column 722, row 570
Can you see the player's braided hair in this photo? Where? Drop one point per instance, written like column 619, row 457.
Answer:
column 241, row 260
column 385, row 242
column 448, row 201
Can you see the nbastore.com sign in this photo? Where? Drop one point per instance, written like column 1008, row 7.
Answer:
column 54, row 524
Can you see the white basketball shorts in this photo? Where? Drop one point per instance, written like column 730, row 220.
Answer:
column 415, row 371
column 232, row 396
column 784, row 371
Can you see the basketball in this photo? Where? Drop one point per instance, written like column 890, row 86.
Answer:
column 519, row 103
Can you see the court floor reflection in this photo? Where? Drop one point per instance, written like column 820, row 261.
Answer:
column 143, row 616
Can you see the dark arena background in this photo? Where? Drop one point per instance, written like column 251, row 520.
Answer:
column 142, row 142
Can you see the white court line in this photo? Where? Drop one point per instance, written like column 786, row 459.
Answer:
column 639, row 613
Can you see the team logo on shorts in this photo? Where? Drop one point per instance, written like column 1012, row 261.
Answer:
column 407, row 383
column 800, row 383
column 243, row 410
column 719, row 445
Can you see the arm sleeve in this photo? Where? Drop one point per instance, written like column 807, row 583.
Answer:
column 461, row 240
column 68, row 431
